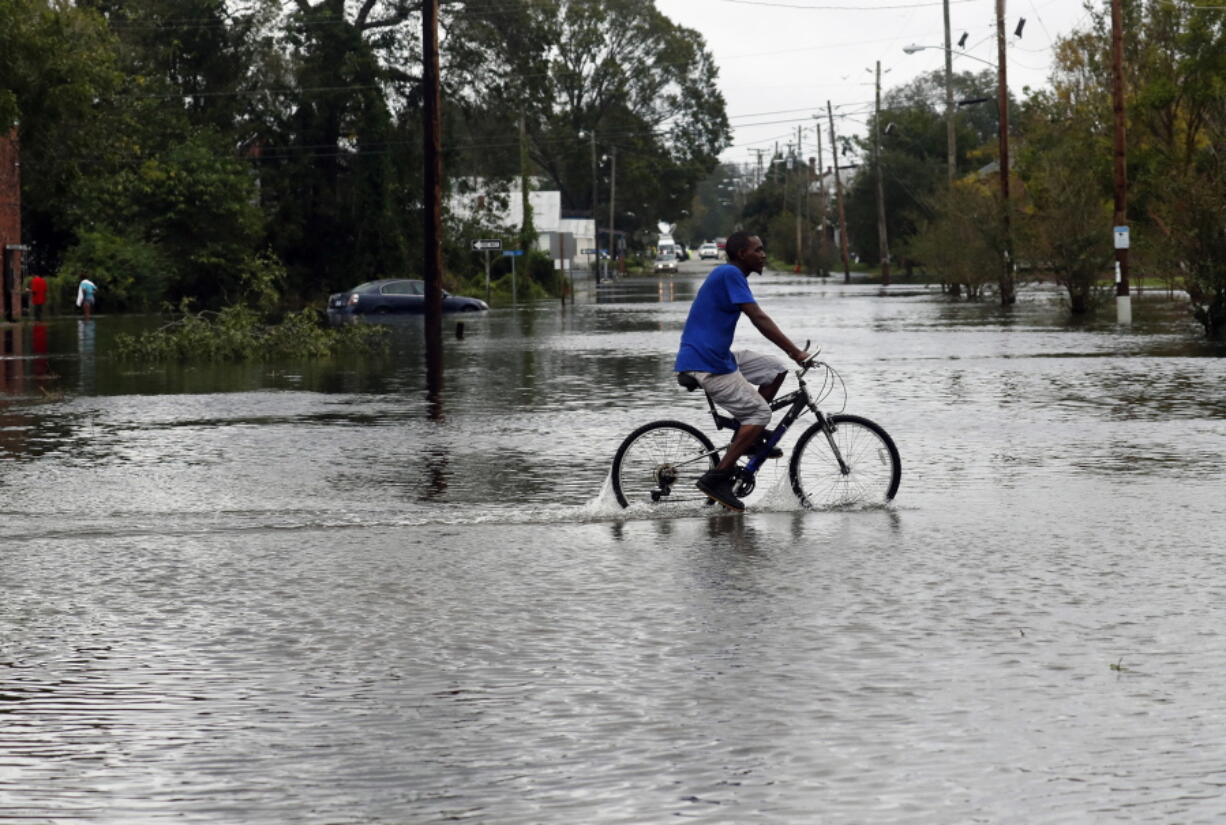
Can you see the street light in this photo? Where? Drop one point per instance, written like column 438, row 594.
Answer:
column 915, row 47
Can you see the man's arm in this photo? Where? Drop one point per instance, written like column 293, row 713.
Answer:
column 767, row 327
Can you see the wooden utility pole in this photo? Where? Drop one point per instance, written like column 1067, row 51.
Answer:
column 612, row 198
column 823, row 206
column 883, row 244
column 595, row 220
column 1123, row 301
column 801, row 167
column 433, row 201
column 838, row 189
column 951, row 145
column 526, row 229
column 1008, row 294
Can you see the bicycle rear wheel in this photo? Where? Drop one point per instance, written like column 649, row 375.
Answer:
column 872, row 470
column 659, row 463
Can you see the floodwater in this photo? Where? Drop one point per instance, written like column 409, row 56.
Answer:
column 302, row 594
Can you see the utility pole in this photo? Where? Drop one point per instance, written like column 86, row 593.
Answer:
column 595, row 228
column 433, row 264
column 526, row 231
column 1123, row 301
column 1008, row 295
column 612, row 198
column 883, row 244
column 824, row 205
column 838, row 188
column 950, row 138
column 804, row 176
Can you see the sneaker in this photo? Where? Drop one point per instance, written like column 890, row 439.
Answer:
column 717, row 484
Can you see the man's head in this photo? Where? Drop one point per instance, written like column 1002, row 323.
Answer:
column 746, row 252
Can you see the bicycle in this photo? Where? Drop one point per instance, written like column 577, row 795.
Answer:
column 841, row 460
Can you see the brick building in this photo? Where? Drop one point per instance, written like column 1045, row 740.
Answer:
column 11, row 248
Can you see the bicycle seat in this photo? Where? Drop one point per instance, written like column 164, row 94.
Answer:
column 688, row 381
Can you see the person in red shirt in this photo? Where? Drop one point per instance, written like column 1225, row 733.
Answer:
column 38, row 295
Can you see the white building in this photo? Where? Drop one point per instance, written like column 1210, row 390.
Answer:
column 505, row 207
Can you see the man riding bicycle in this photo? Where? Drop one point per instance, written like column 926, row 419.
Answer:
column 743, row 383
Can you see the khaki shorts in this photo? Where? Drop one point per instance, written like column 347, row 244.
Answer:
column 737, row 392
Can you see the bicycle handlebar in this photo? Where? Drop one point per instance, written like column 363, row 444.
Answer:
column 809, row 362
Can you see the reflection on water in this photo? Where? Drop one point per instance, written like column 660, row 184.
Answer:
column 306, row 593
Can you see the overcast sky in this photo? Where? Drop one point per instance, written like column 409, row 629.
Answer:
column 781, row 60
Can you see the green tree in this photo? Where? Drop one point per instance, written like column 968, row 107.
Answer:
column 962, row 240
column 646, row 86
column 914, row 154
column 1175, row 65
column 56, row 63
column 1064, row 225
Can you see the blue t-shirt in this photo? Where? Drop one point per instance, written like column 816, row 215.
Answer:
column 706, row 341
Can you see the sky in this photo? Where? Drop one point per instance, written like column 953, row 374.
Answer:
column 781, row 60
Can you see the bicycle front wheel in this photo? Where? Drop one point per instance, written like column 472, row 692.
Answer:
column 660, row 462
column 868, row 475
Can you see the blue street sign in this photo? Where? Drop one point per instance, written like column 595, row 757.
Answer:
column 512, row 253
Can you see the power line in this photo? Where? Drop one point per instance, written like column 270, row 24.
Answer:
column 775, row 4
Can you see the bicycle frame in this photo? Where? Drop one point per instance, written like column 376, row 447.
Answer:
column 796, row 403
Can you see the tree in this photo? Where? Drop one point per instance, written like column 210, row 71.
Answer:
column 56, row 64
column 645, row 86
column 1063, row 227
column 963, row 239
column 1176, row 68
column 914, row 154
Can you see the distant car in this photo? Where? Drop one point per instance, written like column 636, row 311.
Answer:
column 396, row 296
column 666, row 263
column 708, row 250
column 719, row 243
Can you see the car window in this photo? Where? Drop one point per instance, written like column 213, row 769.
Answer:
column 369, row 286
column 400, row 288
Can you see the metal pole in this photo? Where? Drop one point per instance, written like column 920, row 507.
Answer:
column 514, row 291
column 433, row 181
column 1123, row 301
column 487, row 276
column 838, row 189
column 1008, row 295
column 883, row 244
column 950, row 137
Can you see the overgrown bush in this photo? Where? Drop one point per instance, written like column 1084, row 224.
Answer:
column 238, row 333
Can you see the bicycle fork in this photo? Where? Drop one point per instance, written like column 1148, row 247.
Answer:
column 828, row 431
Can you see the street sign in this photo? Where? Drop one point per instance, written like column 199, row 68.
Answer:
column 512, row 253
column 587, row 251
column 1121, row 237
column 487, row 245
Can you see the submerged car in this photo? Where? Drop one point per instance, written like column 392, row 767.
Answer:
column 666, row 263
column 396, row 296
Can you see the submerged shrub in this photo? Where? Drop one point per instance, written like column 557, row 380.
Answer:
column 238, row 333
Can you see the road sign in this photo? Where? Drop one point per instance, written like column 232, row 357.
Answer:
column 1121, row 237
column 487, row 245
column 587, row 251
column 512, row 253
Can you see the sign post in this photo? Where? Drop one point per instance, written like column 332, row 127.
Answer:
column 1123, row 301
column 487, row 246
column 513, row 254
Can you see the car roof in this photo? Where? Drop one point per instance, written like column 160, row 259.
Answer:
column 382, row 282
